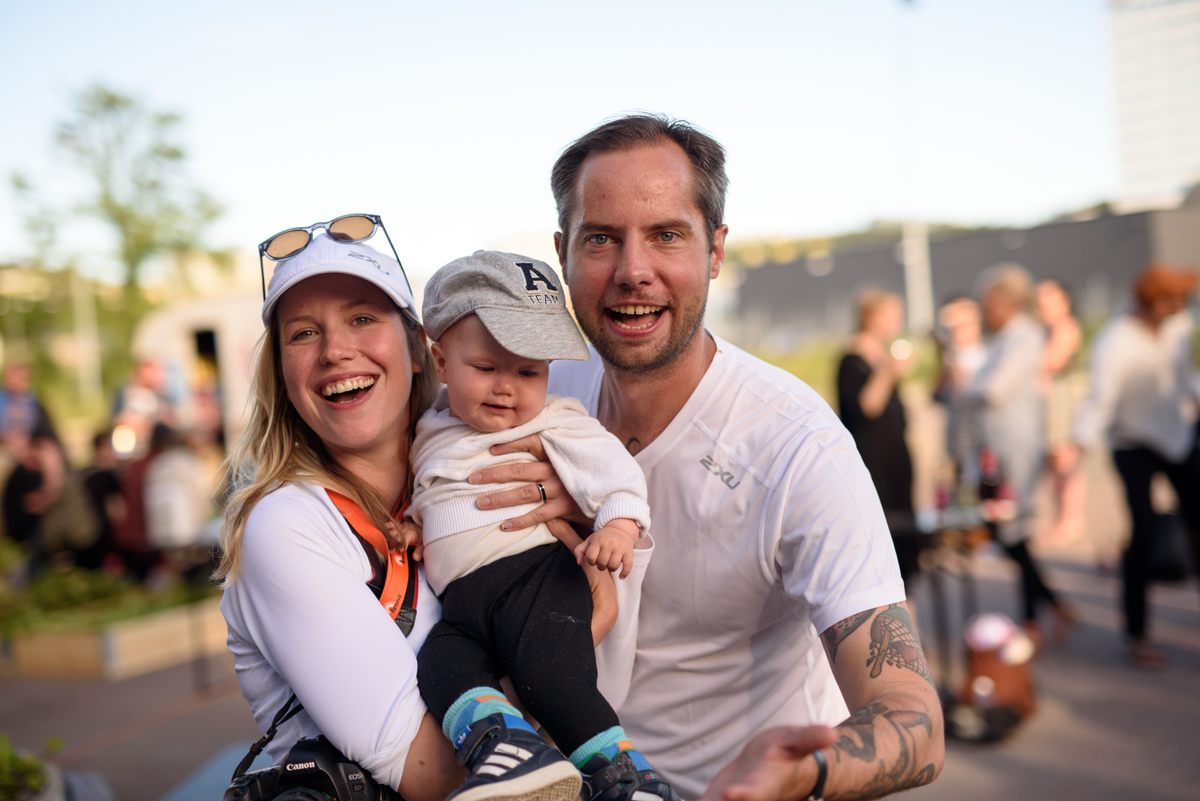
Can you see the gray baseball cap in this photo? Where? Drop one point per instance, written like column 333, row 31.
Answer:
column 518, row 299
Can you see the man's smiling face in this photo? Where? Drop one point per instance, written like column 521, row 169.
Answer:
column 637, row 256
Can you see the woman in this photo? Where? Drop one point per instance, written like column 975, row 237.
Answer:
column 1065, row 388
column 869, row 405
column 962, row 352
column 343, row 374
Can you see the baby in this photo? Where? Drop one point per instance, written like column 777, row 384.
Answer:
column 516, row 603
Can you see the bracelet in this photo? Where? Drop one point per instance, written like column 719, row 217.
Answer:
column 818, row 791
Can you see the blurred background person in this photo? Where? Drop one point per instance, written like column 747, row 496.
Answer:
column 138, row 406
column 869, row 405
column 1143, row 399
column 20, row 414
column 33, row 486
column 177, row 497
column 962, row 352
column 20, row 410
column 1065, row 385
column 1008, row 391
column 102, row 485
column 137, row 552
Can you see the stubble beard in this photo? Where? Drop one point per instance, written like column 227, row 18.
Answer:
column 688, row 323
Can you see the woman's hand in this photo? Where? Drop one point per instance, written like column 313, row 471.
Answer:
column 558, row 502
column 407, row 534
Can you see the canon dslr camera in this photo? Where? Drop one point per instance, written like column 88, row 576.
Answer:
column 313, row 770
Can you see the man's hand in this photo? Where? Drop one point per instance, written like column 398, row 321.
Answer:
column 610, row 547
column 558, row 503
column 604, row 591
column 774, row 766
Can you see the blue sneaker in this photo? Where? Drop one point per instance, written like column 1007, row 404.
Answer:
column 625, row 778
column 512, row 764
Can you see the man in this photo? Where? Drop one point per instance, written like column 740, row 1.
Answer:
column 766, row 523
column 1008, row 392
column 1143, row 399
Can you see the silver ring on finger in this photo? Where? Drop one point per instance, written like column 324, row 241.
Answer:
column 541, row 491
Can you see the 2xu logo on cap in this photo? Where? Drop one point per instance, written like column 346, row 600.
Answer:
column 532, row 277
column 364, row 257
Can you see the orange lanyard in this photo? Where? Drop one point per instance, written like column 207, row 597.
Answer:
column 399, row 592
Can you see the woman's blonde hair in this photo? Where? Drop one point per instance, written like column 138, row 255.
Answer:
column 870, row 300
column 278, row 447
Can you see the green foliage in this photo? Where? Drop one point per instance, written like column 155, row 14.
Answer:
column 136, row 165
column 135, row 170
column 816, row 363
column 21, row 775
column 70, row 599
column 38, row 317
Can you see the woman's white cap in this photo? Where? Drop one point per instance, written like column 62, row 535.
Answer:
column 327, row 255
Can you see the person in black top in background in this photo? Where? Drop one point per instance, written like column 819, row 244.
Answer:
column 869, row 405
column 103, row 487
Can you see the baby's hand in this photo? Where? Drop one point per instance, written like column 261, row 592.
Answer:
column 610, row 547
column 408, row 534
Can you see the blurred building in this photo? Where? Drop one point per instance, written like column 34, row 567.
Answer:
column 1156, row 76
column 781, row 305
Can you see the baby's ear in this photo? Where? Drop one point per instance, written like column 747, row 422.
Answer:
column 439, row 360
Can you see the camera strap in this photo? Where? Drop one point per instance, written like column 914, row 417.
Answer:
column 395, row 578
column 286, row 712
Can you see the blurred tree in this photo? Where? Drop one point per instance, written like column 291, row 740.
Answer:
column 77, row 330
column 136, row 165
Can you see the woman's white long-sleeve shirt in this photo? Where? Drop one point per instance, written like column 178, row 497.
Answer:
column 302, row 619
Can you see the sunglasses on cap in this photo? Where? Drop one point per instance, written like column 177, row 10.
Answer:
column 347, row 228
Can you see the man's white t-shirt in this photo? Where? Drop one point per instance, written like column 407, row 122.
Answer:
column 768, row 530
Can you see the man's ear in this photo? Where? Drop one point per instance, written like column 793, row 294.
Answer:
column 562, row 256
column 439, row 361
column 717, row 257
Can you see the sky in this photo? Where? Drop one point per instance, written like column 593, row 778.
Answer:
column 445, row 118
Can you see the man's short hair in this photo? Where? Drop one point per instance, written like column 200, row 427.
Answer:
column 1011, row 281
column 625, row 133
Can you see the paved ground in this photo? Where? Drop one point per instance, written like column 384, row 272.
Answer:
column 1103, row 730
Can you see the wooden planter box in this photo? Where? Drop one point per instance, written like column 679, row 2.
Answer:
column 124, row 649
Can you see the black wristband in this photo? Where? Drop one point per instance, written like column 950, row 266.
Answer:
column 818, row 791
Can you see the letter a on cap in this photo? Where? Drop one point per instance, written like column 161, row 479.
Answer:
column 532, row 276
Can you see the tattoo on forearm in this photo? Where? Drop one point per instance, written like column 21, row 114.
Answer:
column 838, row 632
column 894, row 642
column 857, row 740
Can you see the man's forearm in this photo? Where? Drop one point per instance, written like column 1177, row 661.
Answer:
column 883, row 748
column 895, row 739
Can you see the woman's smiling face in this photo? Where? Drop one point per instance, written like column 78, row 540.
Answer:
column 346, row 364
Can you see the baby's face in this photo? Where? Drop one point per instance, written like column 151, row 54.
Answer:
column 489, row 388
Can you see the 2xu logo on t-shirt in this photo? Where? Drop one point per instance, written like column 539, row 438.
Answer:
column 724, row 475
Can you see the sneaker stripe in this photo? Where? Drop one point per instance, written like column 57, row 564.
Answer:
column 557, row 782
column 491, row 770
column 513, row 750
column 503, row 761
column 641, row 795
